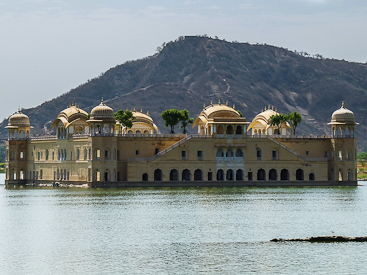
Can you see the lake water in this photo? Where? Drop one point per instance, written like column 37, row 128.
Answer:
column 181, row 231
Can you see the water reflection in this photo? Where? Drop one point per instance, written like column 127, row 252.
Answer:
column 180, row 231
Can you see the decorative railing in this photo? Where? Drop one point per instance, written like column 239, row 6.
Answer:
column 152, row 135
column 229, row 158
column 43, row 138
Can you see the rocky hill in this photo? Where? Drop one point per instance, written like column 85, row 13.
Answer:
column 192, row 71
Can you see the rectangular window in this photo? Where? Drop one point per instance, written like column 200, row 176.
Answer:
column 106, row 156
column 259, row 154
column 327, row 154
column 307, row 153
column 157, row 150
column 340, row 156
column 184, row 154
column 274, row 155
column 118, row 154
column 98, row 154
column 349, row 155
column 118, row 176
column 21, row 155
column 200, row 155
column 137, row 152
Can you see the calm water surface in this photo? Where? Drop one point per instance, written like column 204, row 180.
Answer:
column 181, row 231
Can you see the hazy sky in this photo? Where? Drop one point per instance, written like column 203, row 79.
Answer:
column 48, row 47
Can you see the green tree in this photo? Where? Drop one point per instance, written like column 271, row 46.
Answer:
column 185, row 120
column 294, row 119
column 238, row 111
column 171, row 118
column 125, row 118
column 277, row 120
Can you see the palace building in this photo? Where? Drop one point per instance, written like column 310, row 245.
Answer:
column 227, row 150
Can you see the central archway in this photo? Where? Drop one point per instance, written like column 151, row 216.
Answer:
column 261, row 174
column 173, row 175
column 273, row 175
column 158, row 175
column 220, row 174
column 198, row 175
column 186, row 175
column 299, row 174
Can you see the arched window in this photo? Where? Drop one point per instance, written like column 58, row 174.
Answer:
column 158, row 175
column 186, row 175
column 145, row 177
column 173, row 175
column 220, row 130
column 106, row 129
column 146, row 132
column 261, row 174
column 220, row 153
column 47, row 153
column 229, row 130
column 284, row 174
column 239, row 174
column 97, row 154
column 299, row 174
column 85, row 154
column 198, row 175
column 220, row 174
column 273, row 175
column 239, row 153
column 229, row 174
column 239, row 130
column 77, row 154
column 229, row 153
column 311, row 176
column 138, row 132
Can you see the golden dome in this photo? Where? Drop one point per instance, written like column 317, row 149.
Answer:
column 214, row 111
column 343, row 116
column 70, row 114
column 19, row 119
column 263, row 118
column 140, row 117
column 102, row 112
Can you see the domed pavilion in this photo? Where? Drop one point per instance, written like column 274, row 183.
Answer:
column 102, row 120
column 220, row 120
column 343, row 123
column 18, row 126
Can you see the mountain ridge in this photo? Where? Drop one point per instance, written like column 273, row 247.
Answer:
column 193, row 71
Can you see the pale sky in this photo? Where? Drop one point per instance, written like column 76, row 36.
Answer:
column 48, row 47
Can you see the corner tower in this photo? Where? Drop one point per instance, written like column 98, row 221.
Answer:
column 16, row 148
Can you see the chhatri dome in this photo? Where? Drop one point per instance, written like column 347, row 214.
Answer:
column 261, row 123
column 18, row 125
column 142, row 124
column 19, row 120
column 70, row 115
column 343, row 122
column 102, row 112
column 343, row 116
column 220, row 119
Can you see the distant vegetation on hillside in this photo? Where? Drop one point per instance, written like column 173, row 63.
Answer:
column 191, row 71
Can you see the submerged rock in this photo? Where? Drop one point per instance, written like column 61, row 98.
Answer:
column 324, row 239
